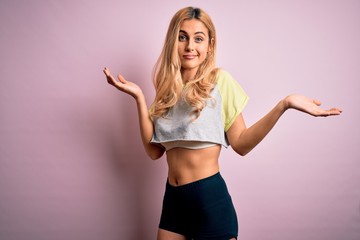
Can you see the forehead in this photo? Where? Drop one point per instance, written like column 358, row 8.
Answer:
column 193, row 26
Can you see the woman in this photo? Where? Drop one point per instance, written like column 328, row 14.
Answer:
column 197, row 110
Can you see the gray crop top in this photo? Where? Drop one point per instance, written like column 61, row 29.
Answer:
column 178, row 129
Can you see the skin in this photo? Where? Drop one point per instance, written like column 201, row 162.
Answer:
column 185, row 165
column 193, row 47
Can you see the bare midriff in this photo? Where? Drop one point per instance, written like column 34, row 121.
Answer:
column 190, row 165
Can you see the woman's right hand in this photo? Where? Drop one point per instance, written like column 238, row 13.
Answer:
column 145, row 122
column 123, row 85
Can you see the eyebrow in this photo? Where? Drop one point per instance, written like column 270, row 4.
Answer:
column 182, row 31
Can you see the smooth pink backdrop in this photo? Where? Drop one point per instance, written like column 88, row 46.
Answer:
column 71, row 160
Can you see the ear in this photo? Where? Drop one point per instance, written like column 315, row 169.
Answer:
column 211, row 45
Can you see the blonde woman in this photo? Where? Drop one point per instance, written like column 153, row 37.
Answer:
column 197, row 110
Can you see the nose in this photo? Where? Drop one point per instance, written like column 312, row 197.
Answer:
column 190, row 46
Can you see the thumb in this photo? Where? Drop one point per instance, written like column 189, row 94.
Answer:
column 317, row 102
column 121, row 78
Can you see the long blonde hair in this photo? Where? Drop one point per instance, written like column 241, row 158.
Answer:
column 167, row 71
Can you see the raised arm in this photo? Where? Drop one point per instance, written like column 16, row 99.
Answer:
column 145, row 123
column 243, row 139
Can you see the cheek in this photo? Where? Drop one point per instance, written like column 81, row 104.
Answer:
column 204, row 49
column 180, row 47
column 203, row 54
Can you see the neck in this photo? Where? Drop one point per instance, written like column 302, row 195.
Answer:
column 188, row 74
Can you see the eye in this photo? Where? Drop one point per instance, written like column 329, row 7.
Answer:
column 182, row 38
column 199, row 39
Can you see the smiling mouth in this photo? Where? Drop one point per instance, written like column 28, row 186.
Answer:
column 189, row 57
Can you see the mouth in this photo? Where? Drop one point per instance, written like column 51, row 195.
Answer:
column 189, row 57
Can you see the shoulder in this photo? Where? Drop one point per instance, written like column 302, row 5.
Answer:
column 226, row 81
column 224, row 78
column 222, row 74
column 233, row 97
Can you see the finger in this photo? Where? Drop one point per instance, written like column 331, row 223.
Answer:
column 317, row 102
column 107, row 71
column 111, row 80
column 121, row 78
column 331, row 112
column 335, row 111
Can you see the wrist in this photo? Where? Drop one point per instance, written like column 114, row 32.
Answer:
column 285, row 104
column 139, row 96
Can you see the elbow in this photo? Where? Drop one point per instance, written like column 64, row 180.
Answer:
column 154, row 151
column 243, row 154
column 241, row 151
column 155, row 155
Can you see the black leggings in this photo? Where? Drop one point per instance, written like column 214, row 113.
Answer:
column 200, row 210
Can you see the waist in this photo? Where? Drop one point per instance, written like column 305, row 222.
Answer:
column 194, row 186
column 186, row 166
column 187, row 144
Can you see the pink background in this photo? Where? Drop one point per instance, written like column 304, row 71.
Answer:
column 71, row 160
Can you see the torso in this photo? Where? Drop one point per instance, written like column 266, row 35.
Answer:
column 180, row 130
column 188, row 165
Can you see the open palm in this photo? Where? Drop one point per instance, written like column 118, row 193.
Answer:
column 123, row 85
column 310, row 106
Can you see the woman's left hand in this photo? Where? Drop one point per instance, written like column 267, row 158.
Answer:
column 309, row 106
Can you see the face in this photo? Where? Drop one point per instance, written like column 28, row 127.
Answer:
column 193, row 46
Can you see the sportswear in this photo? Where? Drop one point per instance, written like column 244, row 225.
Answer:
column 179, row 129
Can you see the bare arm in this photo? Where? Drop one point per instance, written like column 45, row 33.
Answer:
column 243, row 139
column 145, row 123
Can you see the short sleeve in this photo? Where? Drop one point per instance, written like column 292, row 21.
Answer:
column 233, row 98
